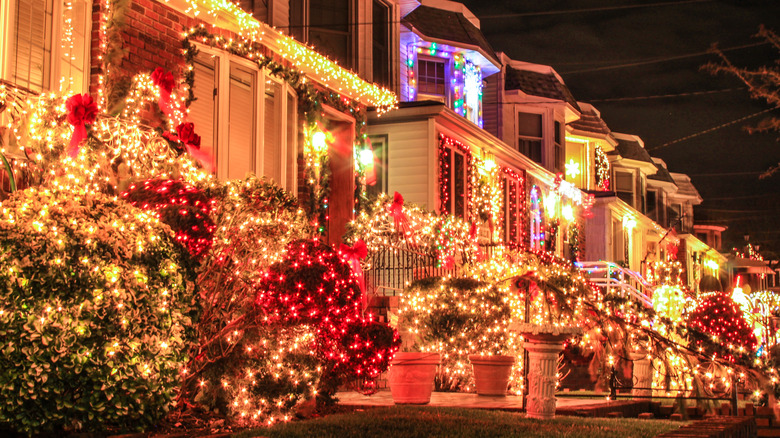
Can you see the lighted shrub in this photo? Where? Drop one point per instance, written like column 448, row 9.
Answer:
column 96, row 313
column 456, row 318
column 719, row 327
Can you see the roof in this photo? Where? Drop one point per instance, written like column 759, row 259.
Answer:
column 539, row 84
column 590, row 121
column 662, row 175
column 685, row 186
column 450, row 26
column 632, row 150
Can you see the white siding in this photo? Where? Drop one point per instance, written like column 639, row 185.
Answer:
column 408, row 164
column 598, row 234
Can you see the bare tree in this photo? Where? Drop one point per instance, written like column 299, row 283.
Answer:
column 763, row 84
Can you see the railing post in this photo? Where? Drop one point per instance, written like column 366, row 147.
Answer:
column 734, row 398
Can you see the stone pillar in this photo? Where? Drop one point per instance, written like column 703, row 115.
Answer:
column 542, row 379
column 642, row 375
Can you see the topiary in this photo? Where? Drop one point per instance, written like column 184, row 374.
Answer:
column 96, row 313
column 718, row 326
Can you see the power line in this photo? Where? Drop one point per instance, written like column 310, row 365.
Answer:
column 715, row 128
column 662, row 59
column 579, row 11
column 664, row 96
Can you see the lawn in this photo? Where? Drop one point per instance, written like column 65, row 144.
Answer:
column 424, row 421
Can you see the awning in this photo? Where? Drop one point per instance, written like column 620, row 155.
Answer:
column 749, row 266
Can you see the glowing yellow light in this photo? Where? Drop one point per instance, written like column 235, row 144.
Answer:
column 572, row 168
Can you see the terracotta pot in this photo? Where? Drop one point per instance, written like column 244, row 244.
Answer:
column 411, row 377
column 491, row 373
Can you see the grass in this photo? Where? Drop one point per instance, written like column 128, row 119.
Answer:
column 424, row 421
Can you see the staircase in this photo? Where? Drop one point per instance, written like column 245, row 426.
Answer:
column 614, row 279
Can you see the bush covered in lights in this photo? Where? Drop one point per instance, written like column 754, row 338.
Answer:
column 718, row 316
column 96, row 313
column 457, row 317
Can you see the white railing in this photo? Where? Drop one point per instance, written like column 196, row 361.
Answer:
column 615, row 279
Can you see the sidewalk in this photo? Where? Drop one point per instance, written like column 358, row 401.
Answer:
column 510, row 403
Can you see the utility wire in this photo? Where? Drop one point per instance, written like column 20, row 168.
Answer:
column 715, row 128
column 664, row 96
column 663, row 59
column 579, row 11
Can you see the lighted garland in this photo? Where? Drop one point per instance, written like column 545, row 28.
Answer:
column 311, row 99
column 602, row 168
column 446, row 147
column 516, row 206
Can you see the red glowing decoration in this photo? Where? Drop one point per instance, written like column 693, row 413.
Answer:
column 165, row 81
column 82, row 111
column 352, row 255
column 183, row 207
column 719, row 317
column 400, row 219
column 187, row 135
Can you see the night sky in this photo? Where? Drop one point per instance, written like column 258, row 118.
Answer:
column 640, row 66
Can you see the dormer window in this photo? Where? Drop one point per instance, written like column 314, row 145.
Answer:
column 624, row 186
column 529, row 135
column 431, row 79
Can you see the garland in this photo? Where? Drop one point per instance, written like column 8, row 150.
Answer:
column 602, row 169
column 311, row 100
column 446, row 144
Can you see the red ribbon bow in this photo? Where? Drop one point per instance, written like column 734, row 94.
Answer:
column 400, row 219
column 82, row 111
column 165, row 82
column 352, row 255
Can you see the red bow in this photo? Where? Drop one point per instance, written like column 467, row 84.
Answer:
column 165, row 81
column 82, row 110
column 400, row 219
column 352, row 255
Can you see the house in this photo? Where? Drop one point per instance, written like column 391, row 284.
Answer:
column 261, row 101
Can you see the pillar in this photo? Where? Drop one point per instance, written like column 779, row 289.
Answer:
column 642, row 375
column 542, row 378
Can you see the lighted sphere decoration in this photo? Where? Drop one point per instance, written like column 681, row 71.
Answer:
column 95, row 313
column 182, row 206
column 719, row 317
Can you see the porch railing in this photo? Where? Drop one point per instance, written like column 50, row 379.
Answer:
column 612, row 278
column 391, row 269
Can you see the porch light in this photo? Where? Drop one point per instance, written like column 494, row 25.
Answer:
column 629, row 222
column 568, row 213
column 319, row 141
column 366, row 157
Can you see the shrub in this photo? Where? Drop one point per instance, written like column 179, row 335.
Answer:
column 456, row 318
column 94, row 315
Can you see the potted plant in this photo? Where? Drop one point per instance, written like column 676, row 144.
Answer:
column 492, row 373
column 411, row 376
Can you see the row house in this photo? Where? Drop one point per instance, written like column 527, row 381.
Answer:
column 262, row 101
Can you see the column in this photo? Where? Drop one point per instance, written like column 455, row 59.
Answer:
column 642, row 375
column 542, row 379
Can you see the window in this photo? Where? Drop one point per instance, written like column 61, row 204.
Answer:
column 246, row 118
column 454, row 178
column 529, row 132
column 624, row 186
column 381, row 43
column 558, row 165
column 536, row 233
column 652, row 206
column 326, row 25
column 512, row 204
column 45, row 44
column 431, row 78
column 379, row 147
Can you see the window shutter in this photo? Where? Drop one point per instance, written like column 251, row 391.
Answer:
column 203, row 110
column 272, row 132
column 292, row 142
column 30, row 58
column 241, row 136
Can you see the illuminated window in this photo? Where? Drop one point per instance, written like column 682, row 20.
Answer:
column 431, row 78
column 536, row 233
column 512, row 203
column 379, row 146
column 247, row 119
column 45, row 44
column 455, row 176
column 326, row 25
column 529, row 135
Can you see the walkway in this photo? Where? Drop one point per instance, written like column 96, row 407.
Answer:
column 511, row 403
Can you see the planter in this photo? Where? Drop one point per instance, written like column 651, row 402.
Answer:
column 491, row 373
column 411, row 377
column 543, row 342
column 642, row 375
